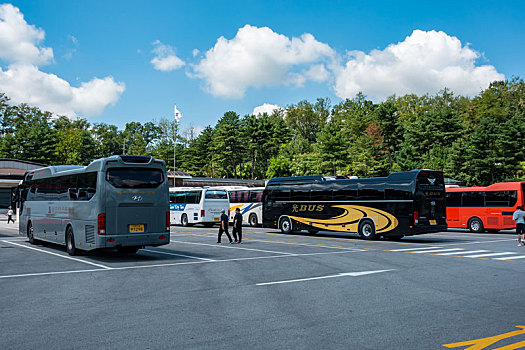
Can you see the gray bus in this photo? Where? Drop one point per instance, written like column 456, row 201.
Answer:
column 117, row 202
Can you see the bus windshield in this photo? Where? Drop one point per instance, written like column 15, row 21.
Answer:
column 216, row 194
column 134, row 177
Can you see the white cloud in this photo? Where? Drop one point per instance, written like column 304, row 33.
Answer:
column 318, row 73
column 165, row 59
column 425, row 62
column 265, row 108
column 26, row 83
column 19, row 41
column 258, row 57
column 23, row 81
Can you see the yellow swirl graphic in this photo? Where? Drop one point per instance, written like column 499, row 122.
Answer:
column 349, row 219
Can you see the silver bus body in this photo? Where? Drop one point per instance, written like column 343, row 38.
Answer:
column 114, row 202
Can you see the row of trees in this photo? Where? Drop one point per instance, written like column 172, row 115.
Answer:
column 478, row 140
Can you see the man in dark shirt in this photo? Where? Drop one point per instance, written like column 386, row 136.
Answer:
column 224, row 227
column 237, row 226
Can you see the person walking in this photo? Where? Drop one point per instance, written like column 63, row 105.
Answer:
column 10, row 214
column 224, row 227
column 519, row 217
column 237, row 226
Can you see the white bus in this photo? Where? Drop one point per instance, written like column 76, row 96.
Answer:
column 197, row 205
column 249, row 201
column 116, row 202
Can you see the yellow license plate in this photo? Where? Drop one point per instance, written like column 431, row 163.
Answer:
column 433, row 222
column 136, row 228
column 215, row 219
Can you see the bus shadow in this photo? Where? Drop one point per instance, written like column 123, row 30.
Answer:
column 356, row 239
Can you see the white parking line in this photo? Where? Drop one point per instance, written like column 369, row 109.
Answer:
column 168, row 265
column 290, row 243
column 59, row 255
column 485, row 255
column 462, row 253
column 437, row 251
column 344, row 274
column 175, row 254
column 236, row 246
column 511, row 257
column 410, row 249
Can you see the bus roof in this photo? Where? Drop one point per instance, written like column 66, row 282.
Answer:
column 95, row 165
column 499, row 186
column 316, row 179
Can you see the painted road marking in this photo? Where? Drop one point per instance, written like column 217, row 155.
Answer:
column 169, row 264
column 466, row 252
column 436, row 251
column 344, row 274
column 522, row 256
column 483, row 343
column 230, row 247
column 410, row 249
column 60, row 255
column 175, row 254
column 491, row 254
column 290, row 243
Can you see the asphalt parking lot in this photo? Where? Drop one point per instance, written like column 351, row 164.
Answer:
column 272, row 291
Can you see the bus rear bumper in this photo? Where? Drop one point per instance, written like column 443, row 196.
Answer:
column 129, row 240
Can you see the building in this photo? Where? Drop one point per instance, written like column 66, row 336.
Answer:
column 12, row 171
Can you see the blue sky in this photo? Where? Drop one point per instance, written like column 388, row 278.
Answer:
column 95, row 59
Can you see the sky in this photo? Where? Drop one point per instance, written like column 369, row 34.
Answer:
column 120, row 61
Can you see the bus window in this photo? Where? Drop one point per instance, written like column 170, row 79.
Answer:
column 255, row 196
column 193, row 197
column 134, row 177
column 473, row 199
column 453, row 199
column 216, row 194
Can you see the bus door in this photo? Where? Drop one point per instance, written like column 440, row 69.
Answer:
column 429, row 200
column 136, row 200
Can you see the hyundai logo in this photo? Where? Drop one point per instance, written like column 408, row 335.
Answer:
column 137, row 198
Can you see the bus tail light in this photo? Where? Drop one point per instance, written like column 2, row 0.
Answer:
column 168, row 221
column 101, row 224
column 202, row 213
column 416, row 217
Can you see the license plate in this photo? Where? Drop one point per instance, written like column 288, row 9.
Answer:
column 215, row 219
column 136, row 228
column 433, row 222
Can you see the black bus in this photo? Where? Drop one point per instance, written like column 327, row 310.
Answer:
column 401, row 204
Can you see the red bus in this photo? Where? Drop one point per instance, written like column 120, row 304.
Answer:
column 484, row 208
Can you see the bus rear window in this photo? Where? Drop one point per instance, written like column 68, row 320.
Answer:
column 134, row 177
column 213, row 194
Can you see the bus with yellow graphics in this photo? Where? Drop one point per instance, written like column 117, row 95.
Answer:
column 402, row 204
column 249, row 201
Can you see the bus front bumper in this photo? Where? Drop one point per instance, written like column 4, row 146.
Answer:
column 129, row 240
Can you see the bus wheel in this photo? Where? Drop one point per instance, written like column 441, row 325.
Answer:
column 184, row 220
column 367, row 229
column 252, row 220
column 286, row 225
column 475, row 225
column 70, row 242
column 127, row 250
column 31, row 233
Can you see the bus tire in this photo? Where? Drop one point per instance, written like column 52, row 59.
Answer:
column 128, row 250
column 286, row 225
column 367, row 229
column 70, row 242
column 31, row 233
column 252, row 220
column 184, row 220
column 475, row 225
